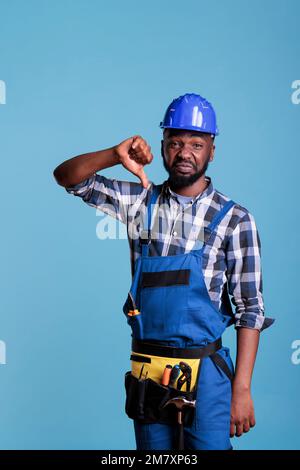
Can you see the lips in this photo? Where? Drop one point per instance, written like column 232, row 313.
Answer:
column 183, row 167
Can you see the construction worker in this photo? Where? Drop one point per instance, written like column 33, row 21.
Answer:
column 191, row 248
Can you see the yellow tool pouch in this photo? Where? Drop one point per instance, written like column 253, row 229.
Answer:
column 152, row 367
column 146, row 397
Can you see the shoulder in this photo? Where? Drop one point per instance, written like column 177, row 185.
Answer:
column 238, row 215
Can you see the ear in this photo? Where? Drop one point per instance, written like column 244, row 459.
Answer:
column 162, row 148
column 212, row 153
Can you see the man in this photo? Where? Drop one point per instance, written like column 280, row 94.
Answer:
column 191, row 246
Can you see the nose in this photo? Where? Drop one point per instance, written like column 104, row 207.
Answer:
column 185, row 151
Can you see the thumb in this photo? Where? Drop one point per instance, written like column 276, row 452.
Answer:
column 143, row 177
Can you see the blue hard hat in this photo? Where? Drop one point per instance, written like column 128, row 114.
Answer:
column 191, row 112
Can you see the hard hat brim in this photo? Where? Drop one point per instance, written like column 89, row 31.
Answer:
column 190, row 128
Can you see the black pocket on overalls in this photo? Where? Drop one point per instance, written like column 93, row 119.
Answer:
column 145, row 400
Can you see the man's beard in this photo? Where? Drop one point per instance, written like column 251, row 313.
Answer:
column 177, row 181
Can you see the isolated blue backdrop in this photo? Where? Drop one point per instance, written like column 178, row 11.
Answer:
column 82, row 76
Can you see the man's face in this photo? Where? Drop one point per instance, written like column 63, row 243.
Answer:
column 186, row 155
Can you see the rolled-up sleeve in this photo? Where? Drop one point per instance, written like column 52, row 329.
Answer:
column 111, row 196
column 244, row 275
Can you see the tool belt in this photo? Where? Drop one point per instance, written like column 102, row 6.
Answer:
column 147, row 398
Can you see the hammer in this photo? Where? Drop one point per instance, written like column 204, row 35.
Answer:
column 180, row 403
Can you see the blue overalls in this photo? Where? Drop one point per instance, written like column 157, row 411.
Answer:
column 176, row 310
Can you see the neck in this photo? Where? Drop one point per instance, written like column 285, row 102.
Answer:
column 194, row 189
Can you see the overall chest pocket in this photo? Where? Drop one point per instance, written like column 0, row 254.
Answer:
column 164, row 296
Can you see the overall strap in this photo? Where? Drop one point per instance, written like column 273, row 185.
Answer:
column 146, row 233
column 217, row 219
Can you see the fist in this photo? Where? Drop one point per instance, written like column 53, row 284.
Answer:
column 134, row 153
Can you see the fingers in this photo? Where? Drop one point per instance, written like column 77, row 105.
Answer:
column 252, row 421
column 236, row 429
column 232, row 429
column 138, row 142
column 140, row 150
column 239, row 428
column 143, row 177
column 246, row 426
column 134, row 153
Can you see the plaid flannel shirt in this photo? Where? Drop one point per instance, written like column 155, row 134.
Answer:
column 233, row 254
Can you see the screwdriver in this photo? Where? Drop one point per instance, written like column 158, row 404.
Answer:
column 174, row 374
column 166, row 375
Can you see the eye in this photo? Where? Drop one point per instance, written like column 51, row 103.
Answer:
column 173, row 144
column 198, row 146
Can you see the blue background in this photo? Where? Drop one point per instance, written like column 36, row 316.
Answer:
column 83, row 76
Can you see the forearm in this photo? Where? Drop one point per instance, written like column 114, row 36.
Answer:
column 247, row 345
column 77, row 169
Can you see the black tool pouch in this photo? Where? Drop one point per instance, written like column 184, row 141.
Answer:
column 145, row 400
